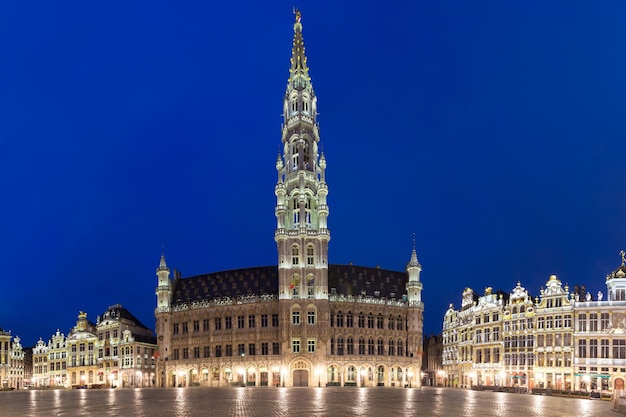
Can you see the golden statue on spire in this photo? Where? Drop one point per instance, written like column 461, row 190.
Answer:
column 298, row 14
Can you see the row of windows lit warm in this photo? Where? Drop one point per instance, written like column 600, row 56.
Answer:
column 347, row 347
column 219, row 351
column 363, row 321
column 226, row 323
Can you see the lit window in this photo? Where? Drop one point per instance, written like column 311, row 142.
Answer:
column 295, row 317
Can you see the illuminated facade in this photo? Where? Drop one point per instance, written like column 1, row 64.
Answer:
column 558, row 341
column 304, row 322
column 116, row 351
column 600, row 336
column 11, row 361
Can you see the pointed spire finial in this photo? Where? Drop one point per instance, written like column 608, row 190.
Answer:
column 299, row 71
column 162, row 264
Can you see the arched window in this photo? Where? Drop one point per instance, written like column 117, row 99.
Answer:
column 350, row 346
column 392, row 348
column 310, row 255
column 351, row 376
column 295, row 255
column 400, row 347
column 381, row 374
column 294, row 286
column 340, row 345
column 361, row 346
column 332, row 371
column 310, row 286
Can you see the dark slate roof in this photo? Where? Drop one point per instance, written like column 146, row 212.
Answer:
column 117, row 312
column 342, row 279
column 245, row 281
column 145, row 339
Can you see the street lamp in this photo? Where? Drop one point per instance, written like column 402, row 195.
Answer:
column 362, row 372
column 440, row 374
column 319, row 375
column 283, row 373
column 410, row 375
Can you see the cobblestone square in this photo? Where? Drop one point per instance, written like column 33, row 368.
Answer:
column 283, row 402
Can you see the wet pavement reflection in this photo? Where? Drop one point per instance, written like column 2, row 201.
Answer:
column 264, row 401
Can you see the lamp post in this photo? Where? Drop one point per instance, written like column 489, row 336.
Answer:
column 410, row 375
column 362, row 373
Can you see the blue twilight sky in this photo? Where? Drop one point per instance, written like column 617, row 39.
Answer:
column 493, row 130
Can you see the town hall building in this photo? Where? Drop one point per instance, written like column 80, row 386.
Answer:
column 303, row 321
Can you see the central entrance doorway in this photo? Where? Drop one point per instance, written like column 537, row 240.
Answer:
column 300, row 378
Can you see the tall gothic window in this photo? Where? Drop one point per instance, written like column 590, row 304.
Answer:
column 295, row 255
column 310, row 255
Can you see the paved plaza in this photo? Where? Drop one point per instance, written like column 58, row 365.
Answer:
column 283, row 402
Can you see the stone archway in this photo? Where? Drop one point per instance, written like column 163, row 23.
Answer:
column 300, row 378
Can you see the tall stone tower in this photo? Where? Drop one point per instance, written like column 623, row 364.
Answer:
column 302, row 233
column 415, row 316
column 301, row 225
column 163, row 314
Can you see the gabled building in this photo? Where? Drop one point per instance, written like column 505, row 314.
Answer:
column 518, row 335
column 125, row 350
column 561, row 340
column 487, row 348
column 11, row 361
column 554, row 349
column 81, row 356
column 600, row 336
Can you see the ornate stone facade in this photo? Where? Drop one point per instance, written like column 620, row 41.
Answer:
column 303, row 322
column 559, row 341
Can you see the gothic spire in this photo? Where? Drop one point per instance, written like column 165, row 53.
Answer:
column 299, row 71
column 414, row 262
column 162, row 264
